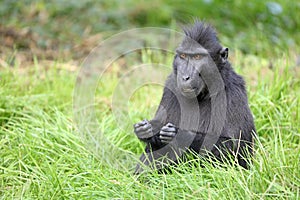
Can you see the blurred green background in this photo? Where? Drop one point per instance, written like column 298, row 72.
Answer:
column 254, row 27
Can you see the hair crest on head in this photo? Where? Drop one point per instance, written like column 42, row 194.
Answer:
column 204, row 34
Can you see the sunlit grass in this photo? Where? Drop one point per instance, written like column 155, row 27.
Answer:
column 42, row 155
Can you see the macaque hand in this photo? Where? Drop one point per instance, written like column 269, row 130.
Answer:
column 167, row 133
column 143, row 129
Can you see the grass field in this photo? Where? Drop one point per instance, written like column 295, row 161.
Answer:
column 46, row 146
column 42, row 155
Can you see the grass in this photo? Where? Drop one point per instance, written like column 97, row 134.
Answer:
column 42, row 155
column 42, row 152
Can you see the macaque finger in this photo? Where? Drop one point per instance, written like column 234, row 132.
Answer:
column 141, row 123
column 170, row 125
column 145, row 133
column 167, row 134
column 143, row 128
column 168, row 129
column 165, row 139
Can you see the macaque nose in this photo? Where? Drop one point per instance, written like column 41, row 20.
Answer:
column 185, row 77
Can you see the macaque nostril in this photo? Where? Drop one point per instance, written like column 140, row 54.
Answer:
column 185, row 78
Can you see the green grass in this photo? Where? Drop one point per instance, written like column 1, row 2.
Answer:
column 42, row 155
column 42, row 152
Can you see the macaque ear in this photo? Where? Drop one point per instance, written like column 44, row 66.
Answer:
column 224, row 54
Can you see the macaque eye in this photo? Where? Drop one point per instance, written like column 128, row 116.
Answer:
column 197, row 57
column 182, row 56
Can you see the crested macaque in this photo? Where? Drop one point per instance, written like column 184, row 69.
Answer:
column 204, row 106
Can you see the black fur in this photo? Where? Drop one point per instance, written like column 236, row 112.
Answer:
column 236, row 136
column 206, row 36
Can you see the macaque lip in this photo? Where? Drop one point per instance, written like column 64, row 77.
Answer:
column 189, row 90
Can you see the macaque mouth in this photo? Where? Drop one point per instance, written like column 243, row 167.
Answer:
column 189, row 90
